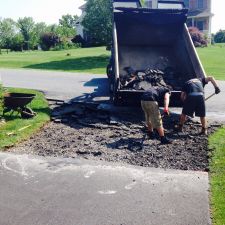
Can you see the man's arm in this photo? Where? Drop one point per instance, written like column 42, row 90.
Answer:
column 213, row 81
column 166, row 103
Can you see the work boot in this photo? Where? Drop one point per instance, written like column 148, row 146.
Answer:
column 178, row 128
column 204, row 131
column 165, row 140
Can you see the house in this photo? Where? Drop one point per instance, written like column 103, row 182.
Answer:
column 199, row 14
column 79, row 27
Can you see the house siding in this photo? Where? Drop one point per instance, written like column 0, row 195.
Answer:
column 196, row 8
column 198, row 4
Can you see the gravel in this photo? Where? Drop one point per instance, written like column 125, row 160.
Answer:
column 118, row 136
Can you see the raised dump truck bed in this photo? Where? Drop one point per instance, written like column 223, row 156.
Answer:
column 157, row 39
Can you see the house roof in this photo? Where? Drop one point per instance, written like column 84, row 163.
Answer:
column 82, row 7
column 199, row 14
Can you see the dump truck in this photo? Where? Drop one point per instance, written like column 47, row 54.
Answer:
column 156, row 40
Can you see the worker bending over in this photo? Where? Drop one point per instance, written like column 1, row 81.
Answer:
column 149, row 104
column 194, row 101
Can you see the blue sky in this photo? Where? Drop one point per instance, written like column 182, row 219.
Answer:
column 50, row 11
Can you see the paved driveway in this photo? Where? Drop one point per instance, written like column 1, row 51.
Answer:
column 50, row 191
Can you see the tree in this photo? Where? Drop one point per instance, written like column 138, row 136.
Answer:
column 63, row 32
column 68, row 21
column 67, row 28
column 7, row 32
column 98, row 21
column 26, row 26
column 17, row 42
column 38, row 30
column 220, row 36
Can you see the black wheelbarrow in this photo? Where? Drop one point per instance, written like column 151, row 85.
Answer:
column 18, row 102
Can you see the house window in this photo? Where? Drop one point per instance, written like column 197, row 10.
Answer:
column 186, row 3
column 200, row 25
column 189, row 22
column 200, row 4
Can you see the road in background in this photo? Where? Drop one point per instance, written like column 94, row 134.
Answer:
column 66, row 86
column 58, row 85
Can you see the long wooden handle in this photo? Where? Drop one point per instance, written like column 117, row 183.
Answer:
column 209, row 96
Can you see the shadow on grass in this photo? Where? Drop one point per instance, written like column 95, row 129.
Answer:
column 83, row 63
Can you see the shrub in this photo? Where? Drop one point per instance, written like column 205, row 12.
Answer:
column 63, row 45
column 220, row 36
column 78, row 40
column 197, row 37
column 49, row 40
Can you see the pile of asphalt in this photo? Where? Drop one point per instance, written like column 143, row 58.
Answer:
column 99, row 133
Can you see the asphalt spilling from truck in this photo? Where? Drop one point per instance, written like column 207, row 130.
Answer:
column 103, row 132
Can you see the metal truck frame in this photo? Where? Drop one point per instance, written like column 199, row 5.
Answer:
column 151, row 38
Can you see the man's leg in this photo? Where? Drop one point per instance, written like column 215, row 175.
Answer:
column 204, row 125
column 188, row 109
column 146, row 109
column 182, row 119
column 203, row 122
column 149, row 126
column 164, row 140
column 201, row 112
column 179, row 127
column 160, row 131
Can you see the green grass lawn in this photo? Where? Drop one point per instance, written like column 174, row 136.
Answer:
column 17, row 129
column 213, row 60
column 89, row 60
column 94, row 60
column 217, row 176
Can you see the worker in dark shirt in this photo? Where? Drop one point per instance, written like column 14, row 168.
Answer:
column 194, row 101
column 149, row 104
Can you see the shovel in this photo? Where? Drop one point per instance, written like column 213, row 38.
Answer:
column 209, row 96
